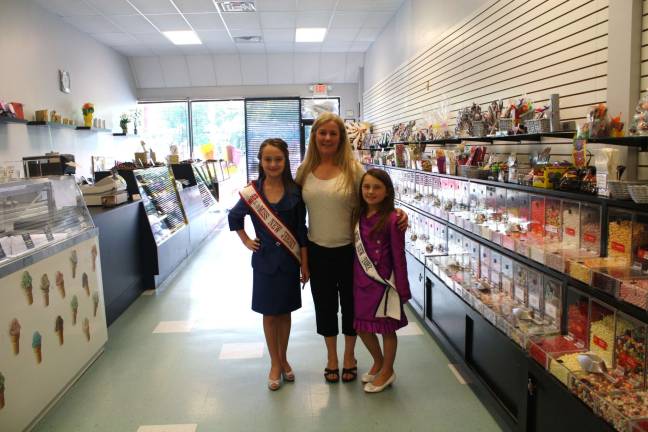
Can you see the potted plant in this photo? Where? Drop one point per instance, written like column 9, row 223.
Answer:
column 123, row 123
column 88, row 111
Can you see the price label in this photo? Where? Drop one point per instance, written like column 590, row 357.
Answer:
column 551, row 229
column 48, row 234
column 551, row 310
column 600, row 342
column 28, row 241
column 590, row 238
column 617, row 246
column 570, row 232
column 534, row 301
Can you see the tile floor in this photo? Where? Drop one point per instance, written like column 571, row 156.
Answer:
column 191, row 358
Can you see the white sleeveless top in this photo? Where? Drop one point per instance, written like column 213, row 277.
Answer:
column 330, row 210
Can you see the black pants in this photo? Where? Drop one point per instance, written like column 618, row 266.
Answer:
column 331, row 279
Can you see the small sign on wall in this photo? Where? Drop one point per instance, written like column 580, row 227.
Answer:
column 64, row 81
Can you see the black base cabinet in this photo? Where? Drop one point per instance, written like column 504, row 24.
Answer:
column 415, row 272
column 522, row 396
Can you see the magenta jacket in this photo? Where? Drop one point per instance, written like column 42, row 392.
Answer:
column 387, row 251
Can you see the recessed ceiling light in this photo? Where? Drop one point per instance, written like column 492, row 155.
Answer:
column 187, row 37
column 310, row 34
column 235, row 6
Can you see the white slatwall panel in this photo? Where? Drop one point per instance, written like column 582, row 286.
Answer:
column 511, row 48
column 644, row 49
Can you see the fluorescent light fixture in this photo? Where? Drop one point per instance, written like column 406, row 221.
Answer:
column 310, row 34
column 187, row 37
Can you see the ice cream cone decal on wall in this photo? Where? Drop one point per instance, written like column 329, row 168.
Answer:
column 58, row 328
column 14, row 334
column 45, row 286
column 60, row 283
column 93, row 252
column 95, row 301
column 86, row 328
column 36, row 345
column 2, row 390
column 73, row 262
column 85, row 283
column 26, row 284
column 74, row 304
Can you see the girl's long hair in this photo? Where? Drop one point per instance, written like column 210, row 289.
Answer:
column 386, row 206
column 344, row 157
column 286, row 175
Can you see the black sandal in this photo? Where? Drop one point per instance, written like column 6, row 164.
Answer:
column 334, row 372
column 351, row 371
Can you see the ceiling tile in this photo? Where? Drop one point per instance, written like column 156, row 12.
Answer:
column 279, row 48
column 340, row 47
column 174, row 70
column 153, row 38
column 253, row 68
column 195, row 6
column 377, row 19
column 310, row 47
column 279, row 35
column 169, row 22
column 115, row 39
column 275, row 5
column 222, row 47
column 251, row 48
column 147, row 71
column 306, row 68
column 207, row 21
column 315, row 5
column 368, row 34
column 112, row 7
column 280, row 68
column 214, row 36
column 313, row 19
column 132, row 24
column 360, row 46
column 251, row 31
column 154, row 6
column 194, row 49
column 132, row 50
column 201, row 70
column 348, row 19
column 66, row 8
column 165, row 50
column 341, row 35
column 353, row 63
column 332, row 68
column 228, row 69
column 241, row 20
column 382, row 5
column 278, row 19
column 92, row 24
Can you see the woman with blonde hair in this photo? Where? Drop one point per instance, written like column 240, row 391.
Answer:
column 330, row 179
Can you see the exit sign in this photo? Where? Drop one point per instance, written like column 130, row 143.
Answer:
column 320, row 89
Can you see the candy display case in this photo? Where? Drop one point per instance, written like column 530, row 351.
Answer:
column 601, row 331
column 640, row 241
column 630, row 351
column 496, row 270
column 535, row 293
column 626, row 411
column 609, row 279
column 520, row 283
column 620, row 233
column 507, row 276
column 634, row 292
column 484, row 262
column 552, row 301
column 590, row 241
column 577, row 305
column 552, row 347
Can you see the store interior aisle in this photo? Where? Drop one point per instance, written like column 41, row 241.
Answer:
column 192, row 355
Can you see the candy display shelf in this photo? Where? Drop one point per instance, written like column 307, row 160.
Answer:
column 8, row 120
column 51, row 125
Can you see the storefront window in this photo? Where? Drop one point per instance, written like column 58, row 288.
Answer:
column 163, row 125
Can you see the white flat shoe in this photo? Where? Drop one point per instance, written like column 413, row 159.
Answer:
column 370, row 388
column 367, row 377
column 288, row 376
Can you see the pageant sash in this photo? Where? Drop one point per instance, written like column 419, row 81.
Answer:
column 390, row 304
column 270, row 220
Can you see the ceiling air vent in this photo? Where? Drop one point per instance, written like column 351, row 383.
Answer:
column 235, row 6
column 247, row 39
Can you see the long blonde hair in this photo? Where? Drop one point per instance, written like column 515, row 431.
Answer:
column 344, row 157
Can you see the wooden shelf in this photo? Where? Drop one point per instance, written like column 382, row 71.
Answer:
column 51, row 124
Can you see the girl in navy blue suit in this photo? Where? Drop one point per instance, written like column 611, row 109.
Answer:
column 278, row 215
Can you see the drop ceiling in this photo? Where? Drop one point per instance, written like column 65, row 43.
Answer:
column 133, row 27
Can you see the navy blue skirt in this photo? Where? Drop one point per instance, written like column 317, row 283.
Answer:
column 275, row 294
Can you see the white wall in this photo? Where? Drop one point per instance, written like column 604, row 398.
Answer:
column 414, row 27
column 34, row 45
column 348, row 94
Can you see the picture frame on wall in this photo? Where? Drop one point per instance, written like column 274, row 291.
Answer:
column 349, row 120
column 64, row 81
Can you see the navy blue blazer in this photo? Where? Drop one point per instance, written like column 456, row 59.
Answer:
column 272, row 256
